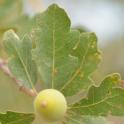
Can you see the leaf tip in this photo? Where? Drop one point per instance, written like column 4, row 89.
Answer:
column 10, row 33
column 115, row 77
column 53, row 5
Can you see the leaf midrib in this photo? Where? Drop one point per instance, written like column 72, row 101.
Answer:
column 54, row 46
column 103, row 100
column 96, row 103
column 28, row 76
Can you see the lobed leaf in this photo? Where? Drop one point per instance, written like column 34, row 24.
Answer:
column 20, row 63
column 52, row 37
column 65, row 58
column 103, row 100
column 16, row 118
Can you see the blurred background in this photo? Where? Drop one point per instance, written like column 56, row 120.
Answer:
column 104, row 17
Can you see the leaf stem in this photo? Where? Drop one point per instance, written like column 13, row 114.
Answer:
column 5, row 69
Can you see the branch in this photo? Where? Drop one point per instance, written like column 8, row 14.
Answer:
column 5, row 69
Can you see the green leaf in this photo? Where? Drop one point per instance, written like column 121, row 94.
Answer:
column 103, row 100
column 77, row 119
column 20, row 63
column 56, row 44
column 16, row 118
column 52, row 55
column 88, row 60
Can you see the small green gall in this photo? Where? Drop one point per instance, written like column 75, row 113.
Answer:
column 50, row 104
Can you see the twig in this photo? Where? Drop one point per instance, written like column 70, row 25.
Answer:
column 121, row 83
column 6, row 70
